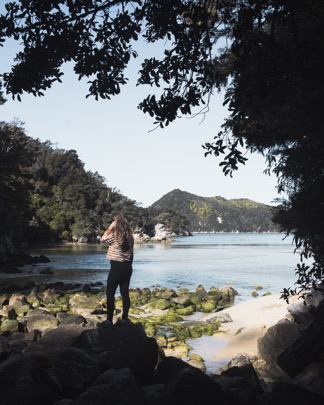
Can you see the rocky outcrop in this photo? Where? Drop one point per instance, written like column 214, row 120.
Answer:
column 56, row 354
column 12, row 258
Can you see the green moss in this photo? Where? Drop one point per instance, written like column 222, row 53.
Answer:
column 186, row 311
column 162, row 304
column 169, row 317
column 208, row 306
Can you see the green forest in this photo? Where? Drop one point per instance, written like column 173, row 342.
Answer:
column 216, row 214
column 48, row 196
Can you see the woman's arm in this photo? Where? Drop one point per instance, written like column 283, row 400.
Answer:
column 108, row 231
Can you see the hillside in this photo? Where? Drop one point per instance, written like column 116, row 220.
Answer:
column 216, row 214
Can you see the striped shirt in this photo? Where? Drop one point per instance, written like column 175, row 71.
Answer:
column 116, row 251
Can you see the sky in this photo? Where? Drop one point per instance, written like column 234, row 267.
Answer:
column 117, row 140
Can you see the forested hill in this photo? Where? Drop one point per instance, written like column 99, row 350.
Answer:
column 46, row 195
column 216, row 214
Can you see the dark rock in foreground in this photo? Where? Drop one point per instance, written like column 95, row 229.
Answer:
column 57, row 348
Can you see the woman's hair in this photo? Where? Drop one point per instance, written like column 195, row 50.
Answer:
column 123, row 232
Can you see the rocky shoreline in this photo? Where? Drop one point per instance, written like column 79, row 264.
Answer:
column 57, row 348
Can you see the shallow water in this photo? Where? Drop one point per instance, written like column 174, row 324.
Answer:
column 243, row 261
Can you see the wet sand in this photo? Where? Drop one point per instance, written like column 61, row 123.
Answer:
column 250, row 321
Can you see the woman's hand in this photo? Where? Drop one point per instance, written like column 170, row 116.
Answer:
column 112, row 226
column 108, row 231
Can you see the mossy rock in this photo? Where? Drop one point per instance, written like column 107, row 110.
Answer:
column 196, row 331
column 210, row 329
column 168, row 294
column 135, row 293
column 182, row 349
column 208, row 306
column 54, row 308
column 161, row 340
column 266, row 294
column 150, row 329
column 162, row 304
column 254, row 294
column 144, row 299
column 146, row 291
column 200, row 290
column 9, row 325
column 186, row 310
column 195, row 299
column 155, row 291
column 182, row 299
column 195, row 356
column 158, row 294
column 136, row 311
column 215, row 293
column 64, row 300
column 169, row 317
column 183, row 334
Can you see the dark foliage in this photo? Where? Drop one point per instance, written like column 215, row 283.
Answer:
column 266, row 55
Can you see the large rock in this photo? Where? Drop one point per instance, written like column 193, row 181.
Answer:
column 103, row 348
column 192, row 387
column 54, row 342
column 83, row 304
column 277, row 338
column 161, row 233
column 76, row 369
column 41, row 322
column 24, row 381
column 114, row 387
column 19, row 303
column 290, row 393
column 6, row 249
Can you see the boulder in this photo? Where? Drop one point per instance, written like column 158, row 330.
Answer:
column 277, row 338
column 19, row 303
column 76, row 369
column 24, row 381
column 114, row 386
column 41, row 322
column 161, row 233
column 123, row 346
column 55, row 341
column 83, row 304
column 286, row 392
column 65, row 318
column 191, row 386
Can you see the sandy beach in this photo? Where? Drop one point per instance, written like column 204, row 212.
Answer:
column 250, row 321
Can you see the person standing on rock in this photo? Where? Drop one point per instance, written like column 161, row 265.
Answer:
column 120, row 239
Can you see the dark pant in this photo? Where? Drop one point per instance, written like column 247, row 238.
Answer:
column 119, row 275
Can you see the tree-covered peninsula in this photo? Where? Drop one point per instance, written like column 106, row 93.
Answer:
column 216, row 214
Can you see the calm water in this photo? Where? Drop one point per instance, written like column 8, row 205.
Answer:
column 240, row 260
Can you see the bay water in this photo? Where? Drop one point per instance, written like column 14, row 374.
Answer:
column 241, row 260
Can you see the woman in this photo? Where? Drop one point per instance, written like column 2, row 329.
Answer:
column 120, row 239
